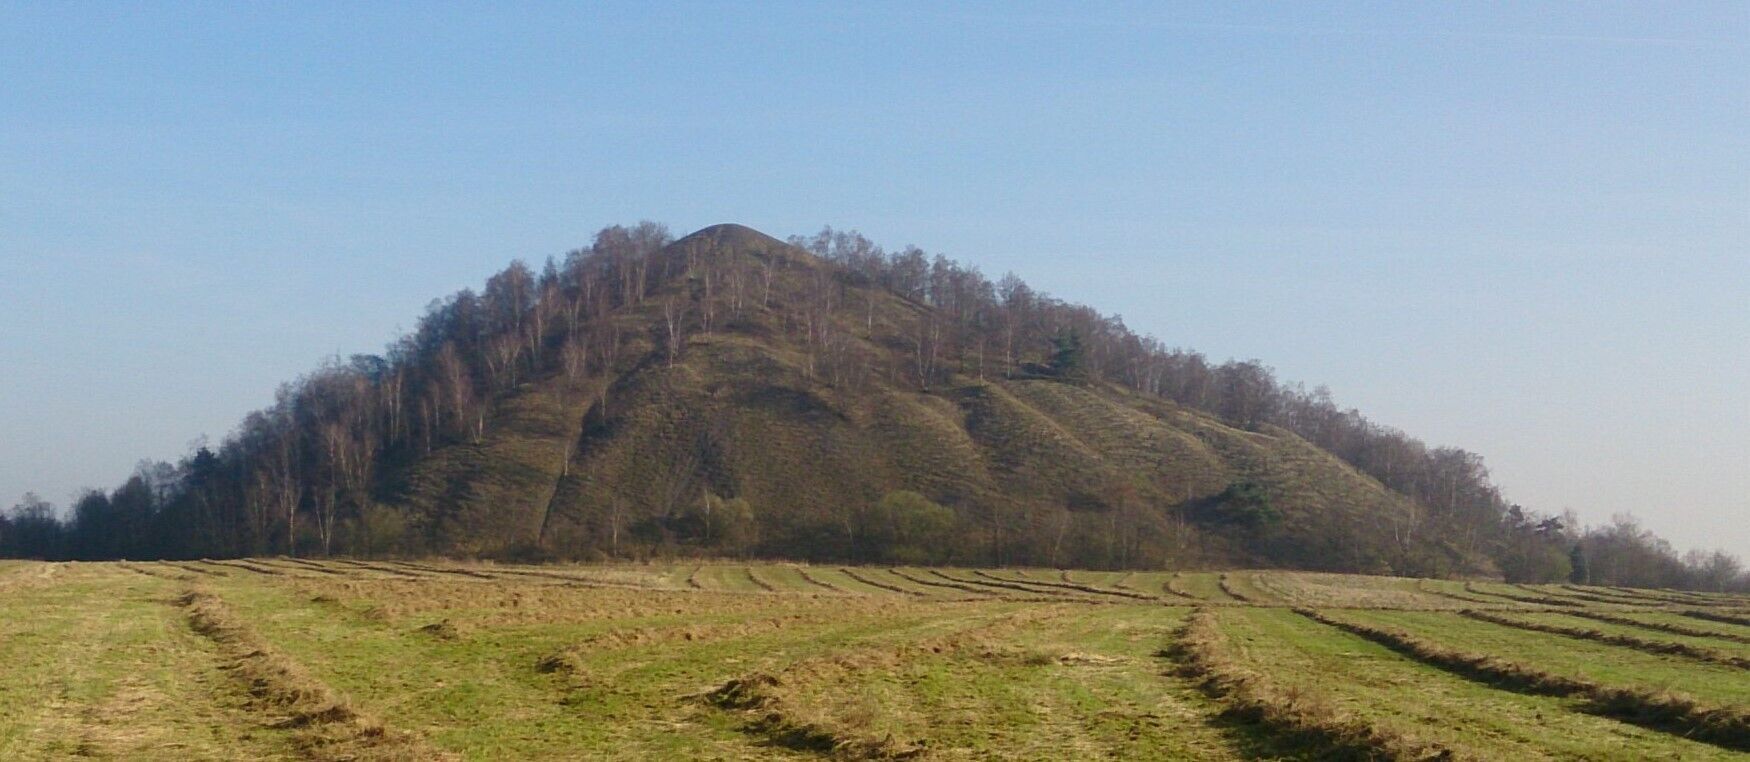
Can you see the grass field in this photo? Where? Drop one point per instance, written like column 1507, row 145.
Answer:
column 299, row 659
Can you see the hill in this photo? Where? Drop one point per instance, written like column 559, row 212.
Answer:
column 728, row 393
column 812, row 424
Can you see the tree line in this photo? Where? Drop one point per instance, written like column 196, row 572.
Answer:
column 305, row 476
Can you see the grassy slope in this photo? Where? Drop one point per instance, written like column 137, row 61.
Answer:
column 741, row 414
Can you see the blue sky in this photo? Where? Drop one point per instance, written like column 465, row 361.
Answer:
column 1520, row 228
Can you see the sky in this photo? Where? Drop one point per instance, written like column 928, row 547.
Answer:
column 1519, row 228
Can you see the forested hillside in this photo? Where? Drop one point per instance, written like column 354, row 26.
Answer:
column 732, row 394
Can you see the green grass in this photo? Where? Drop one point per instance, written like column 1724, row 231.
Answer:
column 488, row 661
column 97, row 664
column 1423, row 702
column 1204, row 585
column 1726, row 647
column 1606, row 664
column 1665, row 617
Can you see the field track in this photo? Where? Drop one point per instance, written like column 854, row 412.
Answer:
column 331, row 659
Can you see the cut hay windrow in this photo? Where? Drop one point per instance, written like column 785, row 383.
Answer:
column 1613, row 595
column 1664, row 596
column 818, row 582
column 1423, row 586
column 780, row 722
column 1727, row 727
column 570, row 580
column 301, row 564
column 757, row 582
column 383, row 569
column 1674, row 629
column 1172, row 587
column 1076, row 586
column 1123, row 582
column 1716, row 616
column 875, row 583
column 1300, row 717
column 1566, row 592
column 202, row 570
column 777, row 713
column 156, row 570
column 1049, row 593
column 1663, row 647
column 246, row 566
column 944, row 585
column 323, row 723
column 1709, row 599
column 1227, row 587
column 451, row 570
column 1538, row 600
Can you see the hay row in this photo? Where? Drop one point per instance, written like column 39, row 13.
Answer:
column 246, row 566
column 1041, row 594
column 1297, row 716
column 1422, row 586
column 302, row 563
column 323, row 723
column 1221, row 582
column 433, row 569
column 156, row 570
column 1538, row 600
column 1675, row 629
column 1670, row 712
column 776, row 715
column 945, row 585
column 1612, row 595
column 201, row 570
column 1716, row 616
column 1172, row 587
column 780, row 723
column 1076, row 586
column 875, row 583
column 757, row 582
column 1666, row 597
column 383, row 569
column 818, row 582
column 1661, row 647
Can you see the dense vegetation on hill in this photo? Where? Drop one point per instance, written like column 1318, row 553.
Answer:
column 732, row 394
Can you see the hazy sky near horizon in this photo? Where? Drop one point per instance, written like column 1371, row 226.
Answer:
column 1518, row 228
